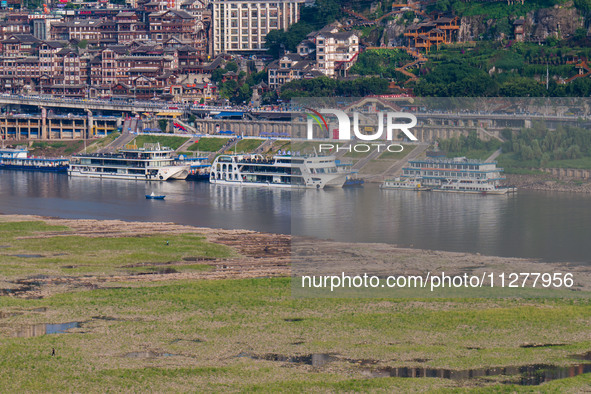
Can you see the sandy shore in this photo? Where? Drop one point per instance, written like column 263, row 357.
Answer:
column 272, row 255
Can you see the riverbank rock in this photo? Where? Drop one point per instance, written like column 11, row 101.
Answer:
column 548, row 183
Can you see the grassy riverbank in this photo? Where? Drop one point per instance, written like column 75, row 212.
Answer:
column 178, row 331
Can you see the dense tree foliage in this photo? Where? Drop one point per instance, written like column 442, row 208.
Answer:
column 327, row 87
column 584, row 6
column 456, row 80
column 539, row 143
column 312, row 18
column 492, row 10
column 458, row 146
column 280, row 41
column 382, row 62
column 531, row 147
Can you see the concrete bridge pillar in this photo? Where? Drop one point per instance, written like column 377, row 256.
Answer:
column 89, row 124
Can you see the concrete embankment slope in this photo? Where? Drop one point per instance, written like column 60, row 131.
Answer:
column 395, row 168
column 124, row 139
column 129, row 126
column 184, row 147
column 495, row 155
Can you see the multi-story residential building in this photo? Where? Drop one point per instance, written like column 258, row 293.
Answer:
column 336, row 52
column 288, row 68
column 105, row 52
column 127, row 24
column 89, row 30
column 241, row 25
column 173, row 23
column 20, row 45
column 48, row 57
column 197, row 8
column 17, row 23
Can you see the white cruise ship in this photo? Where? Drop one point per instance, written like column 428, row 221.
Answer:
column 279, row 171
column 404, row 184
column 459, row 175
column 150, row 163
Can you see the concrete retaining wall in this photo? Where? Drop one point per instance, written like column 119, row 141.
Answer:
column 568, row 173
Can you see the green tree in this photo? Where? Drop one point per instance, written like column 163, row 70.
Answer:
column 228, row 88
column 242, row 95
column 231, row 66
column 279, row 41
column 584, row 6
column 163, row 124
column 527, row 153
column 218, row 74
column 456, row 79
column 522, row 87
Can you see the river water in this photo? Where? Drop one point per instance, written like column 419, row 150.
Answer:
column 547, row 225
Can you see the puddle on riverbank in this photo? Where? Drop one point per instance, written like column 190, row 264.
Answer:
column 528, row 375
column 157, row 271
column 201, row 258
column 315, row 360
column 27, row 256
column 36, row 330
column 4, row 315
column 23, row 288
column 148, row 354
column 107, row 318
column 533, row 345
column 177, row 340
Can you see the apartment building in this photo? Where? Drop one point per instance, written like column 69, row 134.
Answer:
column 241, row 25
column 181, row 25
column 336, row 52
column 288, row 68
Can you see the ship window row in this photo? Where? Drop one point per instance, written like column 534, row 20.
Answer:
column 449, row 174
column 258, row 169
column 328, row 170
column 142, row 164
column 447, row 166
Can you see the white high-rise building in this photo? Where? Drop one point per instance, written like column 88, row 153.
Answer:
column 241, row 25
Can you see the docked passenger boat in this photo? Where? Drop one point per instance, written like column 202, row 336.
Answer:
column 278, row 171
column 199, row 168
column 150, row 163
column 19, row 159
column 404, row 184
column 472, row 186
column 457, row 175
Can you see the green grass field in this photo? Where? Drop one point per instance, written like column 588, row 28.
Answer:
column 308, row 147
column 231, row 335
column 397, row 155
column 248, row 145
column 212, row 144
column 72, row 254
column 201, row 335
column 57, row 148
column 169, row 141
